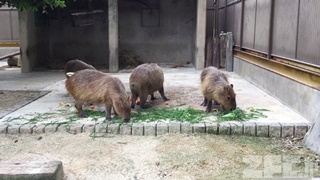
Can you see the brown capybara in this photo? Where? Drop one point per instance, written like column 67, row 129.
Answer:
column 99, row 88
column 144, row 80
column 76, row 65
column 215, row 87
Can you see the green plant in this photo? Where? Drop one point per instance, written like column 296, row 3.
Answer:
column 33, row 5
column 241, row 115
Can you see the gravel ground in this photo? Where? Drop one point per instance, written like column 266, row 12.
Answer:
column 172, row 156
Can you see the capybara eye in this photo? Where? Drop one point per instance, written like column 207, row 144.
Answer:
column 228, row 97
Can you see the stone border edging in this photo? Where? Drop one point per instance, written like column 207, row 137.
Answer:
column 155, row 129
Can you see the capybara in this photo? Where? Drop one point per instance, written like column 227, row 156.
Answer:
column 76, row 65
column 99, row 88
column 215, row 87
column 144, row 80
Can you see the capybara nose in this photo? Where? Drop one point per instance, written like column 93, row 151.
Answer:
column 127, row 120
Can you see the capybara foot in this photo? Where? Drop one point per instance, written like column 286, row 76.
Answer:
column 108, row 118
column 152, row 97
column 83, row 115
column 166, row 99
column 204, row 103
column 145, row 106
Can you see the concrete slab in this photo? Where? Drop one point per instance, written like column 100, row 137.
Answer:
column 247, row 96
column 51, row 170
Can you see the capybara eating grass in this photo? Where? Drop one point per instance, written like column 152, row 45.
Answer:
column 215, row 87
column 76, row 65
column 145, row 80
column 99, row 88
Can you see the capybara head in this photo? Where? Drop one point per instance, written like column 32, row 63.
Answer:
column 122, row 107
column 227, row 98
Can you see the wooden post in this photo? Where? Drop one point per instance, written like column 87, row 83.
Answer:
column 113, row 35
column 229, row 51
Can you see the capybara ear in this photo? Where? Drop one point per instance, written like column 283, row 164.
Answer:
column 231, row 85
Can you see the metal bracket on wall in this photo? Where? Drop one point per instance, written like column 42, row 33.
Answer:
column 302, row 73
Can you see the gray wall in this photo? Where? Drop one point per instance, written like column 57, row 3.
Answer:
column 295, row 29
column 167, row 36
column 302, row 99
column 88, row 43
column 9, row 28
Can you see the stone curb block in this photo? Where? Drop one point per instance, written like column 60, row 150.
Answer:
column 113, row 128
column 199, row 128
column 186, row 128
column 13, row 129
column 88, row 128
column 300, row 129
column 286, row 130
column 149, row 129
column 137, row 129
column 212, row 128
column 162, row 128
column 236, row 128
column 249, row 128
column 100, row 128
column 3, row 129
column 26, row 129
column 39, row 129
column 155, row 129
column 275, row 130
column 126, row 129
column 51, row 128
column 174, row 127
column 262, row 130
column 74, row 128
column 224, row 128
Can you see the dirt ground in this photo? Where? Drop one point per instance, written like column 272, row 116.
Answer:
column 13, row 100
column 172, row 156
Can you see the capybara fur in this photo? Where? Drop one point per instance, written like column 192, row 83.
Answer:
column 145, row 80
column 76, row 65
column 215, row 87
column 99, row 88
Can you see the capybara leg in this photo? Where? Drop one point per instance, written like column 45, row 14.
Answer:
column 143, row 100
column 79, row 108
column 152, row 97
column 133, row 100
column 108, row 112
column 161, row 91
column 205, row 102
column 115, row 112
column 209, row 107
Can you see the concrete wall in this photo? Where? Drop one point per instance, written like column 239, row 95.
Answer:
column 302, row 99
column 166, row 35
column 9, row 30
column 88, row 43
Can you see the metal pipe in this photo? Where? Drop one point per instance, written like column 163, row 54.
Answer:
column 241, row 24
column 9, row 55
column 270, row 29
column 297, row 33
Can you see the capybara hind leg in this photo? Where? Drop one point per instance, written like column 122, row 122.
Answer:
column 143, row 100
column 108, row 112
column 79, row 108
column 205, row 102
column 209, row 107
column 133, row 100
column 152, row 97
column 161, row 91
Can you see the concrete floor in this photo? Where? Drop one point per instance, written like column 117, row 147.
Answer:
column 247, row 94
